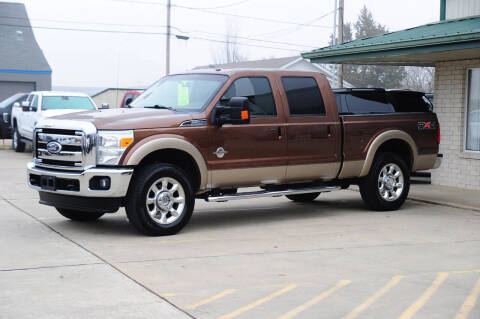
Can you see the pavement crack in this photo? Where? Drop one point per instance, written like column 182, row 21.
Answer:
column 49, row 267
column 104, row 261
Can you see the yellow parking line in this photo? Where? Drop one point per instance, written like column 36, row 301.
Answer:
column 465, row 271
column 258, row 302
column 208, row 300
column 311, row 302
column 418, row 304
column 395, row 280
column 469, row 302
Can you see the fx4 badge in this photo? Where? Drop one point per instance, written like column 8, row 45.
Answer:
column 421, row 126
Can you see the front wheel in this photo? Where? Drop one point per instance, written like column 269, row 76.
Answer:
column 387, row 185
column 17, row 145
column 160, row 200
column 79, row 216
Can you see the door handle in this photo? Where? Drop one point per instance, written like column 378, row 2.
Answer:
column 278, row 130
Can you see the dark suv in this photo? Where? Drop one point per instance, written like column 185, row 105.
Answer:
column 6, row 111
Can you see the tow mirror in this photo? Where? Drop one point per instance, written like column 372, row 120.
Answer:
column 5, row 117
column 104, row 106
column 25, row 106
column 236, row 111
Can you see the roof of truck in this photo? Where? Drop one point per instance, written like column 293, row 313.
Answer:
column 230, row 72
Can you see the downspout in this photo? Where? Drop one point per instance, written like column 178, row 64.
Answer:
column 443, row 9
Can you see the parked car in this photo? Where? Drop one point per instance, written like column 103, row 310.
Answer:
column 209, row 134
column 40, row 105
column 6, row 112
column 129, row 97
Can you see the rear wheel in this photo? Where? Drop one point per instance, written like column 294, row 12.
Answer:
column 79, row 216
column 304, row 198
column 387, row 185
column 17, row 145
column 161, row 200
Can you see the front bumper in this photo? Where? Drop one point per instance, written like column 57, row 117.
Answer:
column 78, row 183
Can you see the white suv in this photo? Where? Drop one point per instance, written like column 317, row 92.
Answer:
column 42, row 104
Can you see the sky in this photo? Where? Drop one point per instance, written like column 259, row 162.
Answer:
column 132, row 51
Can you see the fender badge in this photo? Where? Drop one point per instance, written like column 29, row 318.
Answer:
column 220, row 152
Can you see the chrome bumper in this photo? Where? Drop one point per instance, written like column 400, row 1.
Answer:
column 438, row 161
column 119, row 180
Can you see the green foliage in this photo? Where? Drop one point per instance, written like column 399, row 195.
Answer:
column 370, row 75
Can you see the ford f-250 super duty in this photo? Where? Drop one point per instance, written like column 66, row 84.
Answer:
column 210, row 133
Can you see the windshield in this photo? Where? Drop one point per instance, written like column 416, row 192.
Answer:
column 182, row 92
column 67, row 103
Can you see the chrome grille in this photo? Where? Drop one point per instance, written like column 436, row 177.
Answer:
column 69, row 157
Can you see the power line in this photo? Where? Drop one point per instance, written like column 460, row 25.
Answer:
column 161, row 26
column 223, row 5
column 252, row 18
column 146, row 33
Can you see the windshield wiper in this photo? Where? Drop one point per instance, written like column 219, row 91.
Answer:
column 156, row 106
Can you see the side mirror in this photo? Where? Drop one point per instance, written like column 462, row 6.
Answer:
column 128, row 101
column 235, row 112
column 5, row 117
column 16, row 104
column 25, row 106
column 104, row 106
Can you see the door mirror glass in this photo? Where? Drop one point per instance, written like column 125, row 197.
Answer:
column 236, row 111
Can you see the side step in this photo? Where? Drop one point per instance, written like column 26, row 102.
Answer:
column 274, row 193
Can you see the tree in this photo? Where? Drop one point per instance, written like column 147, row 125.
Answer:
column 230, row 51
column 419, row 79
column 370, row 75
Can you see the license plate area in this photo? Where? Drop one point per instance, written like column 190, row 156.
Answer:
column 48, row 182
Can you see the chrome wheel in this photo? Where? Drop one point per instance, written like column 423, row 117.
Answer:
column 390, row 182
column 165, row 200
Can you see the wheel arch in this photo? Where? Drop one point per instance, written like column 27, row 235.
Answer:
column 395, row 141
column 173, row 150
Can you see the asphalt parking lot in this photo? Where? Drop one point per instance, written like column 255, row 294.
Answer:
column 262, row 258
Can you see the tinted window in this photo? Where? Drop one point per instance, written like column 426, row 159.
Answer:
column 368, row 102
column 303, row 95
column 405, row 101
column 258, row 92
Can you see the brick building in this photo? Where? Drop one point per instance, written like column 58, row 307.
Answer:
column 452, row 46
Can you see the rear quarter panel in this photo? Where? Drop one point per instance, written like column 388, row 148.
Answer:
column 360, row 131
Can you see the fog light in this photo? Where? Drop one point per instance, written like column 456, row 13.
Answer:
column 101, row 183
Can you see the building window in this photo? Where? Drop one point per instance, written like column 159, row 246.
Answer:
column 472, row 114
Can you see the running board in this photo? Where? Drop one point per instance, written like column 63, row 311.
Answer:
column 275, row 193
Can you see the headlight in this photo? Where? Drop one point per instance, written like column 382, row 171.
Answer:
column 111, row 145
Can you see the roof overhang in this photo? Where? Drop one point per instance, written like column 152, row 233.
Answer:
column 421, row 46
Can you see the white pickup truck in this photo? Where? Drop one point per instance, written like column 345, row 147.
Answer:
column 40, row 105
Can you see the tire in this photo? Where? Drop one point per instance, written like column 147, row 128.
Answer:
column 160, row 200
column 386, row 186
column 79, row 216
column 17, row 145
column 303, row 198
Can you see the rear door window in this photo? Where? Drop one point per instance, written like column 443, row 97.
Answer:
column 258, row 92
column 303, row 95
column 366, row 102
column 405, row 101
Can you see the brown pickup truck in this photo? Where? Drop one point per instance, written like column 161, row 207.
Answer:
column 212, row 133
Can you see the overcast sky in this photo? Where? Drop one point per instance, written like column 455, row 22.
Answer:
column 100, row 59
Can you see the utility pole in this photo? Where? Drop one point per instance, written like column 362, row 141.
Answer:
column 334, row 40
column 167, row 53
column 340, row 41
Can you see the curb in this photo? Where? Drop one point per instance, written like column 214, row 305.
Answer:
column 440, row 203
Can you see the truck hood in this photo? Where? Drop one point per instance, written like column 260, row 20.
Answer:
column 129, row 118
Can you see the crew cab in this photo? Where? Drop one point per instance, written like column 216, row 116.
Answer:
column 210, row 134
column 6, row 112
column 40, row 105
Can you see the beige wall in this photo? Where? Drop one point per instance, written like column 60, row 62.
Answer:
column 459, row 168
column 112, row 97
column 462, row 8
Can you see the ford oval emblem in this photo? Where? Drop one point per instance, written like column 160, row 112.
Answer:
column 54, row 147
